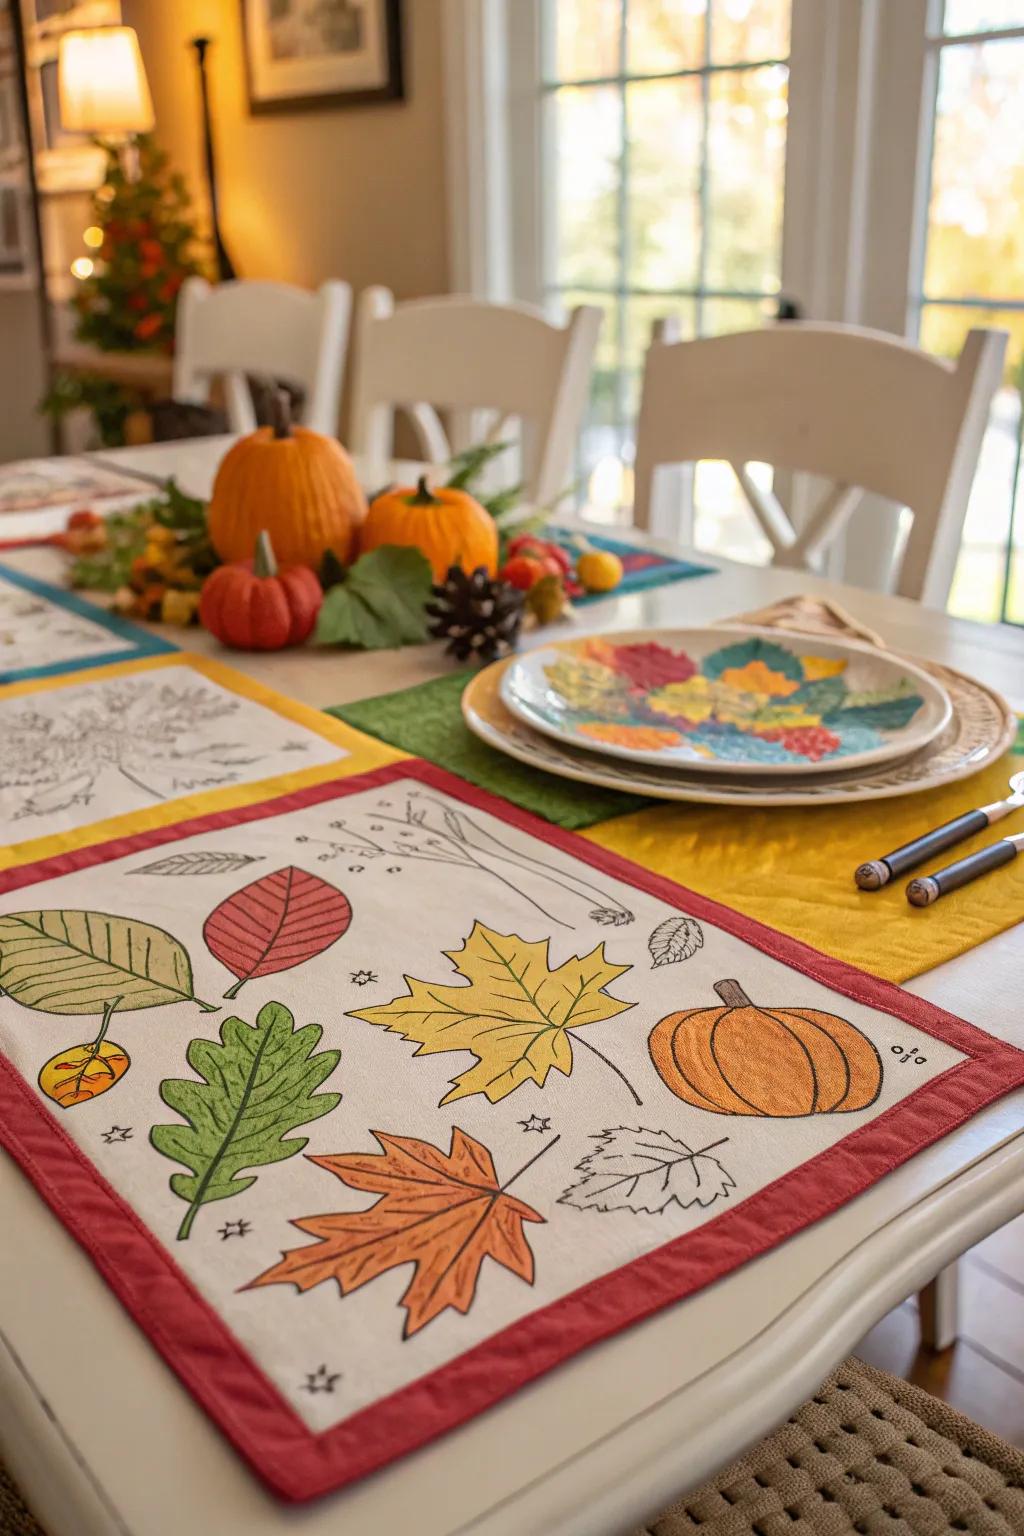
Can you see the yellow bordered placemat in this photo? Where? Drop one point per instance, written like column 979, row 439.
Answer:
column 122, row 749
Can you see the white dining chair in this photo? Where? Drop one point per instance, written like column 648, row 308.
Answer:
column 493, row 367
column 866, row 411
column 258, row 328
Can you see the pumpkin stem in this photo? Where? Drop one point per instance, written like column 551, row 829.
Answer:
column 281, row 412
column 264, row 561
column 732, row 994
column 424, row 496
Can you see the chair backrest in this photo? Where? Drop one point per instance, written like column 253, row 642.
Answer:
column 862, row 409
column 273, row 329
column 477, row 360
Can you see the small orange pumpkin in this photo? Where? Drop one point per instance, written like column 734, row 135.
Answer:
column 298, row 485
column 447, row 525
column 784, row 1062
column 252, row 606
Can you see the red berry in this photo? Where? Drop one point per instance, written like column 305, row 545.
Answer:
column 541, row 549
column 522, row 571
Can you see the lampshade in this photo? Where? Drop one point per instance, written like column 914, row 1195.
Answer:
column 102, row 82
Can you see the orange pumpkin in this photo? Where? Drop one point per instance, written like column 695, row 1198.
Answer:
column 253, row 606
column 739, row 1059
column 298, row 485
column 447, row 525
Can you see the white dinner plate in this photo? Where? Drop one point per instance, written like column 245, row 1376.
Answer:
column 728, row 699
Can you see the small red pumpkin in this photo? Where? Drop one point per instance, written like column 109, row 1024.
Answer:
column 252, row 606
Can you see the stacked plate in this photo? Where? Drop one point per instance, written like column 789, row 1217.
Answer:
column 738, row 715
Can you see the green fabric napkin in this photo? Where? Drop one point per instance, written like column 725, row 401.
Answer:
column 426, row 720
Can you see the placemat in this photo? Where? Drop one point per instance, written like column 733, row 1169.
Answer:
column 641, row 568
column 46, row 631
column 531, row 1114
column 142, row 743
column 426, row 721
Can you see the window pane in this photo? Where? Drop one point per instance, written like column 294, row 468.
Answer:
column 982, row 15
column 723, row 315
column 586, row 203
column 747, row 30
column 664, row 119
column 586, row 38
column 641, row 313
column 746, row 160
column 664, row 35
column 975, row 225
column 978, row 583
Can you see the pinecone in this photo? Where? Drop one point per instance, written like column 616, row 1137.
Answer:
column 479, row 618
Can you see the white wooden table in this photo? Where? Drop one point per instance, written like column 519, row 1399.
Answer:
column 104, row 1440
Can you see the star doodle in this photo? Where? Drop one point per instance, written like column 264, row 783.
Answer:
column 117, row 1133
column 363, row 978
column 235, row 1229
column 536, row 1123
column 321, row 1380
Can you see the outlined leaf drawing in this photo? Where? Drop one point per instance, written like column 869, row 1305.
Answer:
column 676, row 939
column 200, row 861
column 443, row 1212
column 514, row 1016
column 82, row 1072
column 63, row 961
column 278, row 922
column 258, row 1082
column 639, row 1170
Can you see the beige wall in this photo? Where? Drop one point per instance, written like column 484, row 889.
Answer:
column 356, row 193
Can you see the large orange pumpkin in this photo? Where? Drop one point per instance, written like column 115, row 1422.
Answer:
column 297, row 485
column 739, row 1059
column 447, row 525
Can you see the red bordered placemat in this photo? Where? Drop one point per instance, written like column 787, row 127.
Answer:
column 300, row 1464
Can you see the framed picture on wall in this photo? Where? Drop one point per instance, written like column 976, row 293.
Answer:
column 322, row 53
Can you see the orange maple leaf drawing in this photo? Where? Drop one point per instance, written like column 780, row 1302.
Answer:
column 445, row 1213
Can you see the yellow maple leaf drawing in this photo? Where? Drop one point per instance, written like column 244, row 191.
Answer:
column 514, row 1015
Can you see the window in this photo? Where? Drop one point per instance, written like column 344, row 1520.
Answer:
column 970, row 268
column 664, row 124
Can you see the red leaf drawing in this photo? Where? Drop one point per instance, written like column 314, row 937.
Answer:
column 275, row 924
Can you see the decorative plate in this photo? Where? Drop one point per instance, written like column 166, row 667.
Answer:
column 729, row 699
column 981, row 729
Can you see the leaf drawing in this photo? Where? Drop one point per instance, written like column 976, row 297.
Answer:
column 64, row 961
column 638, row 1170
column 514, row 1015
column 276, row 923
column 200, row 862
column 259, row 1082
column 82, row 1072
column 676, row 939
column 442, row 1212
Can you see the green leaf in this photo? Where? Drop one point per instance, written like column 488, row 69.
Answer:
column 257, row 1083
column 380, row 603
column 821, row 697
column 467, row 467
column 63, row 961
column 892, row 716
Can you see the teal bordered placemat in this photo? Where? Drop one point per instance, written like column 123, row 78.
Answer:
column 426, row 720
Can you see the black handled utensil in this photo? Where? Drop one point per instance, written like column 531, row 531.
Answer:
column 878, row 872
column 928, row 888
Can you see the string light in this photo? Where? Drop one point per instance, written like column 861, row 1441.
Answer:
column 93, row 236
column 81, row 267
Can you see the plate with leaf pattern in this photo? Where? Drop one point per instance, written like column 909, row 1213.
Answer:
column 729, row 699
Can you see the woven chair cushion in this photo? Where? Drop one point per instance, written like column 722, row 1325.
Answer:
column 869, row 1454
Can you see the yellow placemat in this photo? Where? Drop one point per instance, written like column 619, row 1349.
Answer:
column 87, row 732
column 793, row 869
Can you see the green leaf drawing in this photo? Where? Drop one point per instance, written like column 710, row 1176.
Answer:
column 379, row 604
column 892, row 716
column 822, row 697
column 740, row 655
column 91, row 962
column 257, row 1083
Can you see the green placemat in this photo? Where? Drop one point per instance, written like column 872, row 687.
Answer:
column 426, row 720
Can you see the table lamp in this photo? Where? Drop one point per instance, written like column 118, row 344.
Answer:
column 103, row 88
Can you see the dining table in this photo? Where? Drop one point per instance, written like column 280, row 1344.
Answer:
column 105, row 1440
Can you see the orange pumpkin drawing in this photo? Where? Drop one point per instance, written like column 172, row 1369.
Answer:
column 740, row 1059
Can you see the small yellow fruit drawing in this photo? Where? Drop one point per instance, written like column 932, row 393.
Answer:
column 599, row 570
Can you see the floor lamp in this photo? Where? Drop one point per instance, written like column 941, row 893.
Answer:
column 225, row 266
